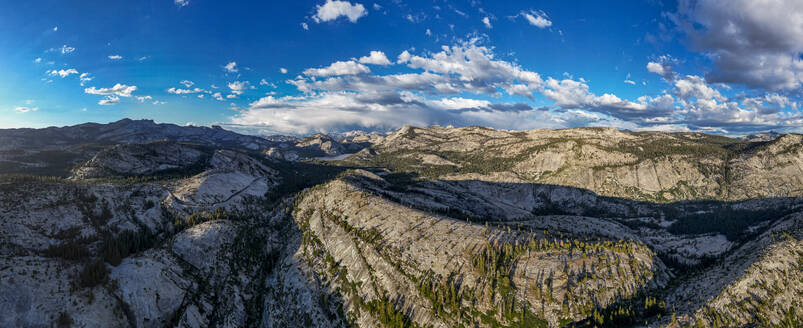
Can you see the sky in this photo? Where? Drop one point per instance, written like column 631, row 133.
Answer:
column 301, row 67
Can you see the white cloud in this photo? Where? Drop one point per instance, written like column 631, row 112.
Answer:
column 63, row 72
column 462, row 84
column 231, row 67
column 695, row 87
column 55, row 28
column 187, row 83
column 144, row 98
column 305, row 26
column 231, row 96
column 37, row 60
column 339, row 68
column 537, row 18
column 109, row 100
column 118, row 89
column 23, row 109
column 143, row 58
column 428, row 32
column 265, row 82
column 179, row 91
column 486, row 21
column 628, row 80
column 66, row 49
column 403, row 57
column 115, row 57
column 238, row 87
column 341, row 111
column 181, row 3
column 334, row 9
column 656, row 68
column 283, row 70
column 375, row 58
column 84, row 77
column 218, row 96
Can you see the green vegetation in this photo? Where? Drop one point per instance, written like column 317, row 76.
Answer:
column 71, row 250
column 64, row 320
column 385, row 311
column 298, row 176
column 629, row 312
column 724, row 218
column 117, row 247
column 93, row 274
column 180, row 224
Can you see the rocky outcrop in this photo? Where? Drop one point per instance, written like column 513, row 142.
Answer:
column 141, row 160
column 761, row 282
column 651, row 166
column 404, row 256
column 230, row 178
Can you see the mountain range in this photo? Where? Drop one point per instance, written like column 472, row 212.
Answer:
column 139, row 224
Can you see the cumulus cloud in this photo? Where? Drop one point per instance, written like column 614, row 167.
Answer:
column 118, row 89
column 663, row 66
column 187, row 83
column 231, row 67
column 238, row 87
column 63, row 72
column 143, row 98
column 283, row 70
column 375, row 58
column 181, row 3
column 24, row 109
column 463, row 84
column 486, row 21
column 340, row 111
column 109, row 100
column 339, row 68
column 755, row 43
column 536, row 18
column 334, row 9
column 179, row 91
column 115, row 57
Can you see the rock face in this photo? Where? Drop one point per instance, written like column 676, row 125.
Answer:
column 426, row 227
column 231, row 177
column 650, row 166
column 760, row 282
column 315, row 146
column 140, row 159
column 412, row 256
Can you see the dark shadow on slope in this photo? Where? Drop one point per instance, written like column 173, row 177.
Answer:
column 737, row 220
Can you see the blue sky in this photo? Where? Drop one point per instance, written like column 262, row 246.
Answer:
column 298, row 67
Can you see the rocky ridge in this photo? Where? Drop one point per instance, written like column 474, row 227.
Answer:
column 427, row 227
